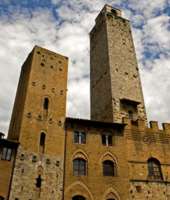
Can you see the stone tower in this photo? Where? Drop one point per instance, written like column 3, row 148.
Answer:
column 38, row 124
column 115, row 83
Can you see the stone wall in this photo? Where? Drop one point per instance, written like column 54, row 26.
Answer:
column 28, row 167
column 115, row 82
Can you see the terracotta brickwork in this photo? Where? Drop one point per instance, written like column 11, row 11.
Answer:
column 40, row 106
column 94, row 185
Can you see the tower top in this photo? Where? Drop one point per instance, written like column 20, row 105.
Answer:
column 109, row 10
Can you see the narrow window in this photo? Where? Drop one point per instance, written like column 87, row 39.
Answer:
column 6, row 154
column 42, row 142
column 130, row 113
column 78, row 197
column 154, row 169
column 38, row 181
column 46, row 103
column 108, row 168
column 79, row 167
column 79, row 137
column 107, row 139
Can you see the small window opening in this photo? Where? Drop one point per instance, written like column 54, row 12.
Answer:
column 107, row 140
column 6, row 154
column 38, row 181
column 113, row 12
column 79, row 137
column 46, row 103
column 42, row 143
column 139, row 188
column 130, row 113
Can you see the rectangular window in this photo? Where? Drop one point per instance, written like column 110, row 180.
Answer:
column 107, row 140
column 79, row 137
column 6, row 154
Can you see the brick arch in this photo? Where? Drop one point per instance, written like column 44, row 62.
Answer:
column 111, row 157
column 111, row 193
column 78, row 188
column 80, row 154
column 108, row 156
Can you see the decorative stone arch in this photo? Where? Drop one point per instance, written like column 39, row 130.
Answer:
column 80, row 154
column 78, row 188
column 109, row 156
column 111, row 193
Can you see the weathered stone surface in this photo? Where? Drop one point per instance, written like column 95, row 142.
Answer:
column 114, row 72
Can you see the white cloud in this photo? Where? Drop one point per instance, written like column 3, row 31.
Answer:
column 70, row 38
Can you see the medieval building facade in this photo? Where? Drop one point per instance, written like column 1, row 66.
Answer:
column 112, row 156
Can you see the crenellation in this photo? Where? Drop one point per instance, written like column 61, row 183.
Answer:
column 114, row 155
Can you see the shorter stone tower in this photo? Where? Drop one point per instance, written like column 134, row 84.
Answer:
column 115, row 83
column 37, row 124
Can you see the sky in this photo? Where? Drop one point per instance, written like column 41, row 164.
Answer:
column 63, row 26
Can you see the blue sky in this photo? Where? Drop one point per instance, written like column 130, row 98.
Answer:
column 63, row 26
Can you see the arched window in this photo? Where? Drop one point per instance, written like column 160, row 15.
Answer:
column 42, row 142
column 78, row 197
column 79, row 167
column 154, row 169
column 46, row 103
column 109, row 168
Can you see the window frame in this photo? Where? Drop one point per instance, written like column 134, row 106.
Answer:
column 154, row 169
column 79, row 137
column 79, row 167
column 6, row 153
column 111, row 170
column 107, row 139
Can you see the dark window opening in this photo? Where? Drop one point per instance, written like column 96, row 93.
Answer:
column 42, row 142
column 130, row 113
column 78, row 197
column 154, row 169
column 109, row 168
column 79, row 137
column 2, row 198
column 113, row 11
column 139, row 188
column 107, row 140
column 38, row 181
column 79, row 167
column 6, row 154
column 46, row 103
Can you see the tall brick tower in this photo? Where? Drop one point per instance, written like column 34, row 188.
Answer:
column 115, row 83
column 37, row 123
